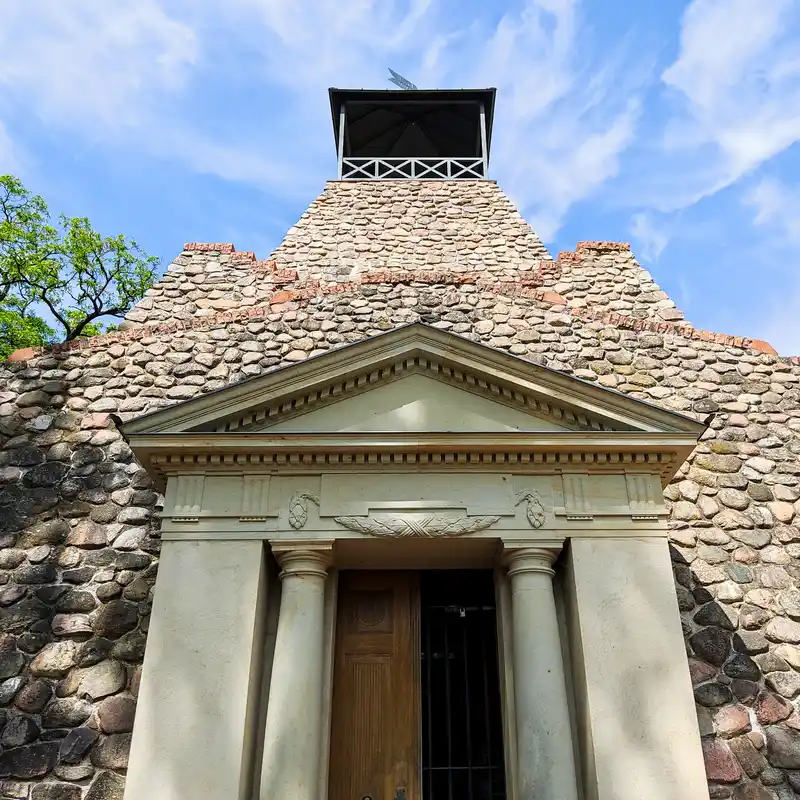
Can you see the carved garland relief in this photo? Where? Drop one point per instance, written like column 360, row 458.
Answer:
column 398, row 527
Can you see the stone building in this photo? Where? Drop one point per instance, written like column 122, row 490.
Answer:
column 434, row 515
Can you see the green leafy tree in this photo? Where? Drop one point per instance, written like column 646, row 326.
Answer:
column 66, row 275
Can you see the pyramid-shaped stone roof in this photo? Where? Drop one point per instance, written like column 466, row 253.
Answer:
column 427, row 232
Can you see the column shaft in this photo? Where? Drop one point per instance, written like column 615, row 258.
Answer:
column 291, row 761
column 546, row 761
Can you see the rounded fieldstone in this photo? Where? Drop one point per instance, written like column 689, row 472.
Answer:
column 752, row 617
column 11, row 557
column 106, row 786
column 53, row 531
column 781, row 629
column 783, row 747
column 752, row 791
column 112, row 752
column 87, row 534
column 33, row 697
column 73, row 772
column 134, row 515
column 19, row 731
column 751, row 761
column 108, row 591
column 11, row 594
column 712, row 614
column 11, row 662
column 70, row 624
column 712, row 645
column 102, row 679
column 721, row 766
column 36, row 573
column 76, row 744
column 76, row 600
column 742, row 666
column 66, row 713
column 116, row 714
column 744, row 691
column 55, row 660
column 789, row 601
column 732, row 720
column 136, row 590
column 760, row 492
column 739, row 572
column 48, row 474
column 786, row 684
column 33, row 761
column 130, row 647
column 733, row 498
column 115, row 618
column 714, row 462
column 93, row 652
column 56, row 791
column 104, row 514
column 9, row 688
column 712, row 695
column 771, row 708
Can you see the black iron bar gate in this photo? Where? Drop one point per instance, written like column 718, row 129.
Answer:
column 462, row 742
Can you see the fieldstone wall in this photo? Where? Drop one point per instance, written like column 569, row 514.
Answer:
column 79, row 519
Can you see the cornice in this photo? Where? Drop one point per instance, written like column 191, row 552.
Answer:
column 546, row 452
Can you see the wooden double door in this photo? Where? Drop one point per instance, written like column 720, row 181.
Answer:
column 416, row 701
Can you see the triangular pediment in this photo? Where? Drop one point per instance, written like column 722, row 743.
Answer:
column 413, row 379
column 414, row 403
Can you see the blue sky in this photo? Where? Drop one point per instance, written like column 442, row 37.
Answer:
column 670, row 124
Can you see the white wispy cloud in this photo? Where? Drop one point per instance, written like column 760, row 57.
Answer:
column 115, row 75
column 774, row 205
column 735, row 94
column 9, row 153
column 134, row 76
column 651, row 236
column 92, row 63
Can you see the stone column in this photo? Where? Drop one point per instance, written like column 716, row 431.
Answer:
column 545, row 756
column 293, row 735
column 194, row 734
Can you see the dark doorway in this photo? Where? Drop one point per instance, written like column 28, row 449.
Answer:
column 462, row 740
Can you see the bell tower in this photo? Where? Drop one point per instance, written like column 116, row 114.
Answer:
column 433, row 134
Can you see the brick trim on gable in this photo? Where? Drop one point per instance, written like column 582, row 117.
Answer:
column 312, row 289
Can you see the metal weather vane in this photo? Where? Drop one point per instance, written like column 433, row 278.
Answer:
column 399, row 80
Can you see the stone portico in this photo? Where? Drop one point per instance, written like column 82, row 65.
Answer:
column 412, row 450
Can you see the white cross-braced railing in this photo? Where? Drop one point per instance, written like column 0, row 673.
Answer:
column 427, row 168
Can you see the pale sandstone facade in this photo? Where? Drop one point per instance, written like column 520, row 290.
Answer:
column 80, row 531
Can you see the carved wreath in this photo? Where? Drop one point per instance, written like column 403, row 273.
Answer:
column 298, row 508
column 429, row 527
column 534, row 509
column 400, row 527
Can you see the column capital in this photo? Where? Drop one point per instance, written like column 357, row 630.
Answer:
column 521, row 557
column 310, row 559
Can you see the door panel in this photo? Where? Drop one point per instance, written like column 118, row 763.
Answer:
column 375, row 724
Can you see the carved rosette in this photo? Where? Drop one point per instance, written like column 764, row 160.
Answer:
column 427, row 527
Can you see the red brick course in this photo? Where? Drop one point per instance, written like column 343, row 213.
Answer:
column 313, row 289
